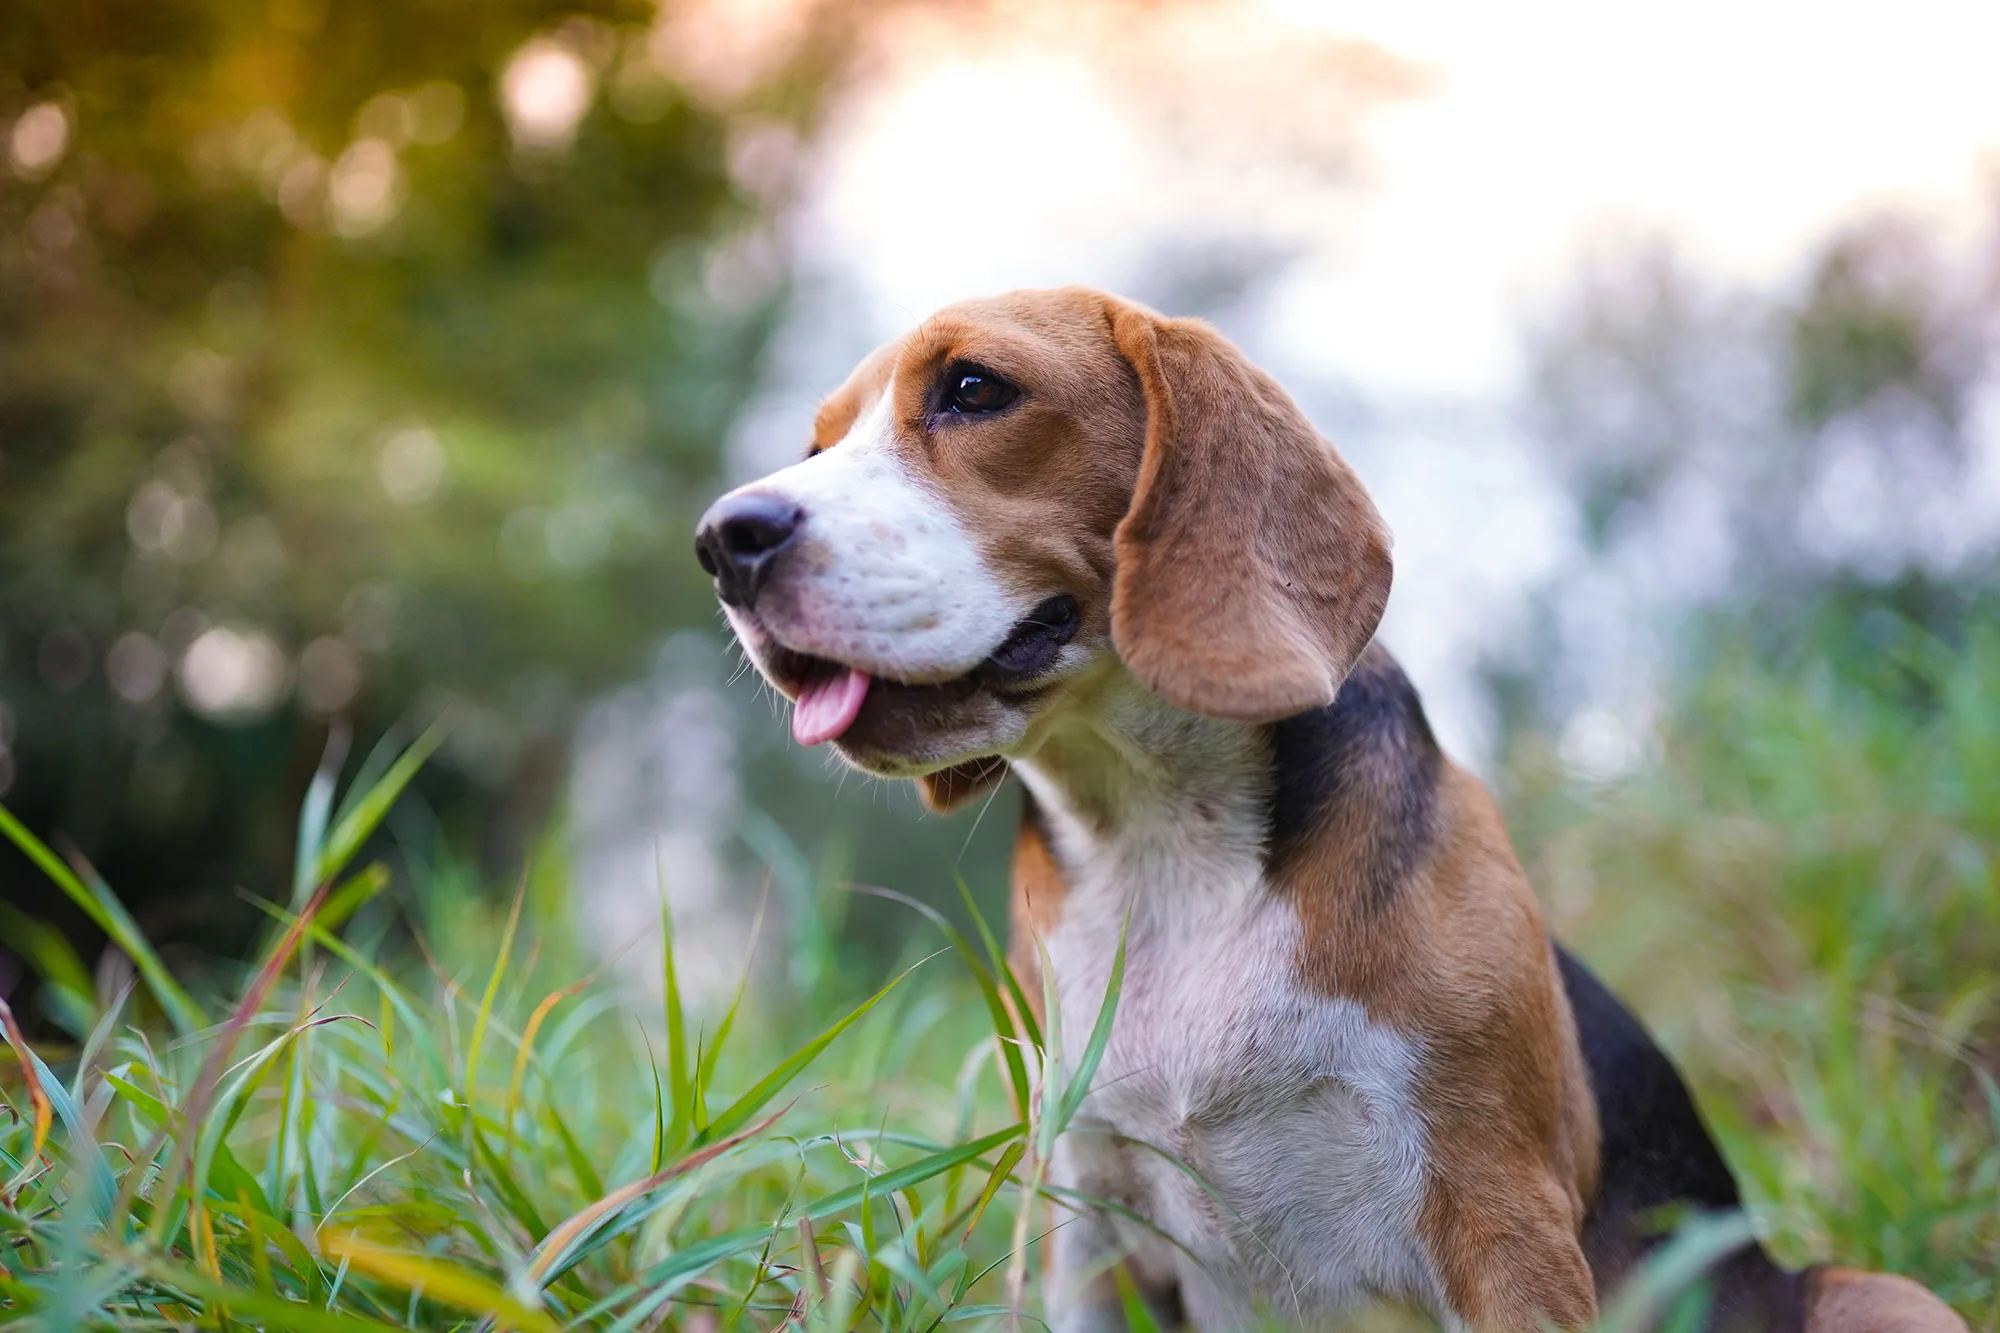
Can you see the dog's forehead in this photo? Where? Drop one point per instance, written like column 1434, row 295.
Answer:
column 1059, row 336
column 1033, row 322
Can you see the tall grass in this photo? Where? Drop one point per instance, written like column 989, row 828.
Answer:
column 484, row 1134
column 498, row 1142
column 1802, row 897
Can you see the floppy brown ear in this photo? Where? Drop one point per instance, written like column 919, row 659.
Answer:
column 1252, row 567
column 949, row 788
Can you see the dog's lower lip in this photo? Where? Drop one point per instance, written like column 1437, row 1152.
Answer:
column 1024, row 655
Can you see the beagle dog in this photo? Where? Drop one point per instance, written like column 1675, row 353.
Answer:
column 1057, row 534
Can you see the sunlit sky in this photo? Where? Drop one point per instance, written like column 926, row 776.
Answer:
column 1022, row 143
column 1744, row 129
column 1003, row 156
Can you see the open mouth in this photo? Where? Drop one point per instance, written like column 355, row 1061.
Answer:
column 830, row 694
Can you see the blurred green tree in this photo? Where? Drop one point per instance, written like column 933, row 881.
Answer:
column 1776, row 464
column 349, row 355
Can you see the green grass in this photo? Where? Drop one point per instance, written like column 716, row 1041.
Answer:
column 1801, row 897
column 500, row 1140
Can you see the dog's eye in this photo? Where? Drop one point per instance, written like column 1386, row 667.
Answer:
column 971, row 392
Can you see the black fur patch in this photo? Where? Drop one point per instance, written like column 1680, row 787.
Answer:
column 1656, row 1153
column 1658, row 1163
column 1370, row 755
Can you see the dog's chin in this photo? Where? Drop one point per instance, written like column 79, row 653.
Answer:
column 906, row 732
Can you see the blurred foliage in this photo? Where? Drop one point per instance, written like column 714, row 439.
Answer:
column 1798, row 456
column 1795, row 874
column 1803, row 896
column 1793, row 867
column 349, row 354
column 1884, row 315
column 1651, row 378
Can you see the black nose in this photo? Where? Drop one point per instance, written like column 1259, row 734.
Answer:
column 739, row 539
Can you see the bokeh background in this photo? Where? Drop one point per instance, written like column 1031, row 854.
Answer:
column 366, row 364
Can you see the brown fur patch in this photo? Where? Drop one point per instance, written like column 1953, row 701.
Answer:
column 844, row 406
column 1842, row 1300
column 1460, row 958
column 1039, row 891
column 952, row 787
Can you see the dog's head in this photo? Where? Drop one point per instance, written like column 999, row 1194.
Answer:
column 1025, row 494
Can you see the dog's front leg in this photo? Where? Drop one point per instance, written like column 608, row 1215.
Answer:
column 1508, row 1254
column 1084, row 1250
column 1082, row 1295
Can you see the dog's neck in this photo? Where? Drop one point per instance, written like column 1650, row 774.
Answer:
column 1135, row 790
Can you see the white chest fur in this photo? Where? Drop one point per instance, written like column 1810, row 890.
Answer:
column 1270, row 1130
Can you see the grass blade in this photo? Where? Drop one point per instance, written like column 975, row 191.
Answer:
column 667, row 1276
column 1003, row 1024
column 705, row 1068
column 1077, row 1084
column 368, row 811
column 527, row 1047
column 214, row 1064
column 109, row 915
column 1138, row 1315
column 478, row 1038
column 291, row 1316
column 679, row 1081
column 438, row 1281
column 914, row 1174
column 316, row 811
column 355, row 892
column 659, row 1109
column 50, row 953
column 740, row 1111
column 546, row 1262
column 38, row 1098
column 1002, row 1169
column 1697, row 1245
column 83, row 1149
column 1001, row 966
column 226, row 1176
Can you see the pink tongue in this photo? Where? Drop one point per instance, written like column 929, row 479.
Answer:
column 828, row 707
